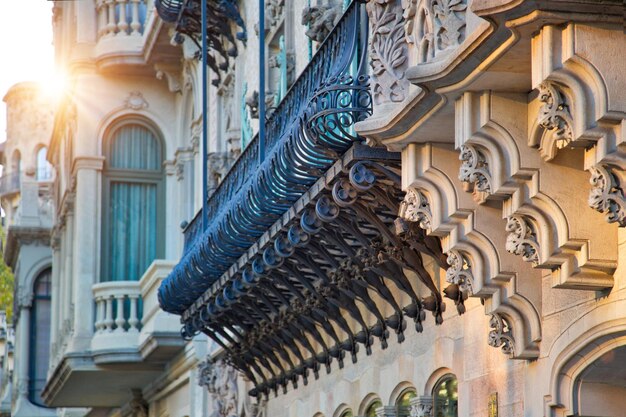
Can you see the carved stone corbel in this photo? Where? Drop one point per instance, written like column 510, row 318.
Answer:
column 459, row 272
column 501, row 334
column 416, row 208
column 220, row 379
column 475, row 168
column 555, row 117
column 522, row 238
column 607, row 194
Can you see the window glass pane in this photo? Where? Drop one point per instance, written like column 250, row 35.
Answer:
column 133, row 220
column 39, row 338
column 371, row 410
column 44, row 169
column 134, row 147
column 404, row 400
column 446, row 397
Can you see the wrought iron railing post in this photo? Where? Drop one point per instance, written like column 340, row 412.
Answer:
column 261, row 80
column 205, row 191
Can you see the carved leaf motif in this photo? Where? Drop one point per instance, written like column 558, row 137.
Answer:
column 607, row 195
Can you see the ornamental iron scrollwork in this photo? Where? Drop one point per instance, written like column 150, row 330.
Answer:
column 501, row 334
column 522, row 238
column 221, row 15
column 607, row 195
column 554, row 115
column 475, row 168
column 416, row 208
column 388, row 51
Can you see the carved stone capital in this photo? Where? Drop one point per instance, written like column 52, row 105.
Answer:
column 388, row 51
column 475, row 168
column 459, row 272
column 522, row 238
column 321, row 19
column 220, row 379
column 501, row 334
column 416, row 208
column 554, row 115
column 422, row 406
column 607, row 194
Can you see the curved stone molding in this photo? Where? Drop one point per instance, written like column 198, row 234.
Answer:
column 501, row 334
column 460, row 271
column 607, row 194
column 415, row 208
column 522, row 239
column 388, row 51
column 472, row 256
column 475, row 168
column 555, row 117
column 548, row 236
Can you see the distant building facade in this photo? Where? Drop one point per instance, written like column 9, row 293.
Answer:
column 26, row 189
column 431, row 225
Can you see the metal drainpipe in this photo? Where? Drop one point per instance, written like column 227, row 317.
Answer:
column 261, row 81
column 205, row 191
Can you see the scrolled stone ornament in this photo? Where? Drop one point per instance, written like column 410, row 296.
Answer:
column 522, row 239
column 501, row 334
column 459, row 272
column 554, row 114
column 326, row 209
column 607, row 195
column 344, row 193
column 475, row 168
column 361, row 177
column 416, row 208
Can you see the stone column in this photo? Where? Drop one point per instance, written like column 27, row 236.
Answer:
column 55, row 308
column 86, row 242
column 22, row 341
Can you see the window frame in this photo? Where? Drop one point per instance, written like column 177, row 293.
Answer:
column 34, row 396
column 125, row 175
column 440, row 381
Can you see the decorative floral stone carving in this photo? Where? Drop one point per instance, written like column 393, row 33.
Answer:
column 218, row 164
column 450, row 22
column 459, row 272
column 416, row 208
column 554, row 114
column 501, row 334
column 607, row 194
column 135, row 101
column 422, row 406
column 434, row 26
column 321, row 19
column 220, row 379
column 475, row 168
column 274, row 10
column 522, row 238
column 388, row 51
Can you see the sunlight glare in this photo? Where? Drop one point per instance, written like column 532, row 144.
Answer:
column 55, row 85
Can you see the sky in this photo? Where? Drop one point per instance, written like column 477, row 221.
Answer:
column 26, row 51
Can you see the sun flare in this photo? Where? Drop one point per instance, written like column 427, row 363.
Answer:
column 55, row 85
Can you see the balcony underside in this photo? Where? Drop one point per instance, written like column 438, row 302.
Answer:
column 99, row 386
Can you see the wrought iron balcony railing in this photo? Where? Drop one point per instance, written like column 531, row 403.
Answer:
column 10, row 183
column 306, row 134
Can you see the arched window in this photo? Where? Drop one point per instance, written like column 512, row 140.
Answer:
column 446, row 397
column 44, row 169
column 370, row 411
column 347, row 413
column 404, row 399
column 39, row 354
column 133, row 202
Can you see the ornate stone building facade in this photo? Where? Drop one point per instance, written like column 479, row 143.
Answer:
column 431, row 224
